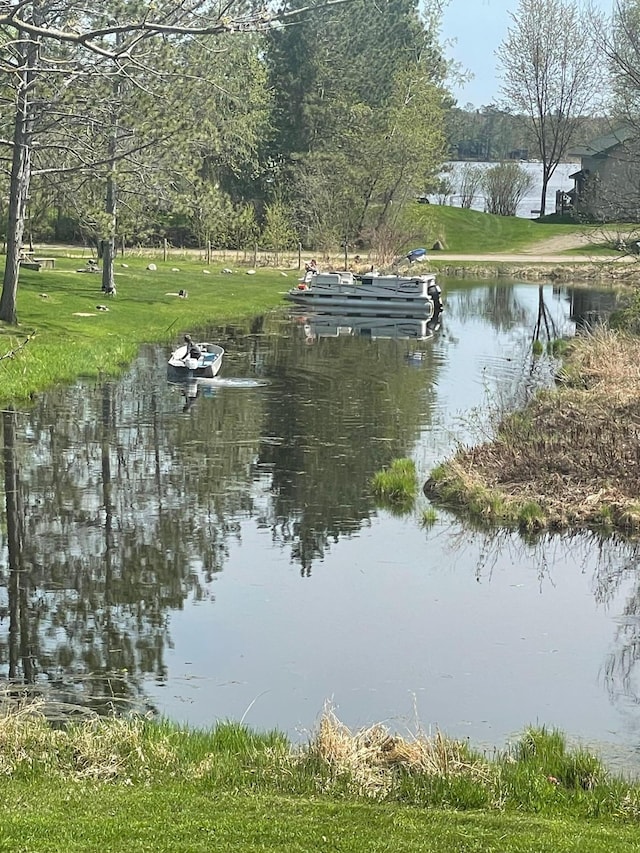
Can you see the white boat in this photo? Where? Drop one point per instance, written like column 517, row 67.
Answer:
column 337, row 325
column 196, row 359
column 415, row 296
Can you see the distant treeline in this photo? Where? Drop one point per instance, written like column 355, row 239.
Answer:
column 491, row 134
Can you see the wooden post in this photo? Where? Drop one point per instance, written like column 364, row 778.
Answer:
column 346, row 253
column 255, row 255
column 164, row 249
column 208, row 251
column 299, row 256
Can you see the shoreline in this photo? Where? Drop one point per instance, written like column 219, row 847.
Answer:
column 568, row 461
column 554, row 268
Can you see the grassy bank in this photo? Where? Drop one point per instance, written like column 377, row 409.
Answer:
column 472, row 232
column 570, row 459
column 133, row 785
column 65, row 332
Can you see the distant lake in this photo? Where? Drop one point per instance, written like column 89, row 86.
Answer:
column 531, row 202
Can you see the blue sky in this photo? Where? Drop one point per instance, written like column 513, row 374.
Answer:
column 478, row 27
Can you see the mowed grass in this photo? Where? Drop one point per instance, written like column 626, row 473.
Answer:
column 472, row 232
column 129, row 785
column 62, row 333
column 174, row 817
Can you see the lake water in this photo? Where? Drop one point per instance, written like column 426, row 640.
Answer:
column 222, row 556
column 530, row 204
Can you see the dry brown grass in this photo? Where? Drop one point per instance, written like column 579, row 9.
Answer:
column 574, row 452
column 102, row 749
column 607, row 361
column 367, row 761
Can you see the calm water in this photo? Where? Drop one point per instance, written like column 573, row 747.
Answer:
column 221, row 556
column 530, row 203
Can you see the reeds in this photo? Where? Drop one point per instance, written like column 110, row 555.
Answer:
column 371, row 762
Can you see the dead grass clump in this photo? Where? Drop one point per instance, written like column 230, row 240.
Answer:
column 113, row 749
column 118, row 749
column 368, row 760
column 27, row 741
column 608, row 359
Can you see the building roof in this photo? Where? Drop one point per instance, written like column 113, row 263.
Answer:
column 603, row 143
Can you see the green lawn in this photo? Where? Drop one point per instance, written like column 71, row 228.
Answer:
column 473, row 232
column 68, row 335
column 50, row 818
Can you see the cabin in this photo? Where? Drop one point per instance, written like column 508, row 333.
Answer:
column 607, row 185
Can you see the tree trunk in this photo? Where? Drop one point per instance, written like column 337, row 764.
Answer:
column 20, row 180
column 111, row 208
column 111, row 199
column 19, row 645
column 543, row 195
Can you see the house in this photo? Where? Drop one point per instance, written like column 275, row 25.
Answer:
column 607, row 186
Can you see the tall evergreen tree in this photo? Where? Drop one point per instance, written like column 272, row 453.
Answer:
column 346, row 131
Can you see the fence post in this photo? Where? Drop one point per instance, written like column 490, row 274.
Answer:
column 299, row 256
column 208, row 251
column 164, row 249
column 255, row 255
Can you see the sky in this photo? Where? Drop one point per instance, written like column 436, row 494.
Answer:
column 475, row 29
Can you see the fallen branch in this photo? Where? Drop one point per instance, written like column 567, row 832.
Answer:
column 17, row 349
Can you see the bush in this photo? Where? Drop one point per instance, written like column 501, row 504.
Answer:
column 505, row 185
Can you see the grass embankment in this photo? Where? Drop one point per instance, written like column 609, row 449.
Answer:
column 116, row 785
column 67, row 335
column 475, row 233
column 570, row 459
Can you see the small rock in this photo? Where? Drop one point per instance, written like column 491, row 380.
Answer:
column 207, row 272
column 126, row 266
column 101, row 308
column 227, row 271
column 283, row 274
column 251, row 272
column 44, row 295
column 175, row 269
column 152, row 267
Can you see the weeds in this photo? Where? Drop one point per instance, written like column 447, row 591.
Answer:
column 429, row 517
column 396, row 487
column 570, row 459
column 537, row 774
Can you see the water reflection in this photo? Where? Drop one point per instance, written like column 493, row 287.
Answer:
column 336, row 325
column 152, row 556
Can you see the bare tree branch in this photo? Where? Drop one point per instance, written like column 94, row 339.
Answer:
column 90, row 39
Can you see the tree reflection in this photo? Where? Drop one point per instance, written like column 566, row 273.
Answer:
column 612, row 562
column 94, row 561
column 119, row 507
column 347, row 407
column 20, row 653
column 499, row 304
